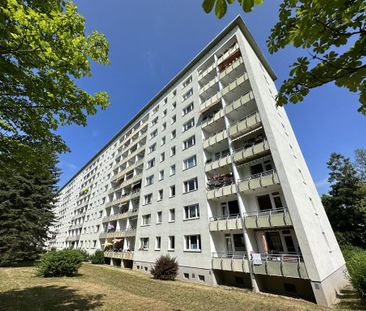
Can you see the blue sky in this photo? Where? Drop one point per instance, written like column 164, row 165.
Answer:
column 151, row 41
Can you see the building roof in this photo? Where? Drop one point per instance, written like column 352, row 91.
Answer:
column 237, row 21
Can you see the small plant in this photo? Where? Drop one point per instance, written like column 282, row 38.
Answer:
column 60, row 263
column 97, row 258
column 356, row 266
column 165, row 268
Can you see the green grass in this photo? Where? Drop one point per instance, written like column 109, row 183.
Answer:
column 109, row 288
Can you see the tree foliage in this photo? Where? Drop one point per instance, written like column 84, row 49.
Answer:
column 221, row 5
column 333, row 36
column 43, row 50
column 345, row 203
column 26, row 202
column 165, row 268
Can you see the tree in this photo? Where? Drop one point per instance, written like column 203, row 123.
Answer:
column 345, row 203
column 360, row 163
column 26, row 202
column 333, row 33
column 43, row 50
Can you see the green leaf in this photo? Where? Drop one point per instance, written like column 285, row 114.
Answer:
column 220, row 8
column 208, row 5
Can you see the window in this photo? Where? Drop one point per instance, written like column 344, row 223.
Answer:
column 189, row 142
column 190, row 185
column 172, row 215
column 187, row 94
column 174, row 93
column 188, row 125
column 165, row 100
column 151, row 163
column 192, row 242
column 160, row 194
column 189, row 163
column 155, row 110
column 154, row 121
column 164, row 126
column 162, row 156
column 157, row 243
column 154, row 133
column 174, row 105
column 152, row 148
column 187, row 81
column 146, row 220
column 171, row 245
column 187, row 109
column 161, row 175
column 201, row 277
column 144, row 243
column 172, row 191
column 159, row 217
column 172, row 170
column 149, row 180
column 163, row 140
column 148, row 198
column 173, row 134
column 172, row 151
column 165, row 112
column 191, row 211
column 174, row 119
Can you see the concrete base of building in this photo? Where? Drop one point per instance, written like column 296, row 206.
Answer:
column 325, row 292
column 193, row 274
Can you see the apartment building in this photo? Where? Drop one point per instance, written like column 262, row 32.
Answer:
column 210, row 172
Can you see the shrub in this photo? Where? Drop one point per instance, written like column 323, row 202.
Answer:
column 97, row 258
column 356, row 266
column 83, row 254
column 165, row 268
column 60, row 263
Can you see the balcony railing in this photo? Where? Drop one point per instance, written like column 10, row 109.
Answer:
column 249, row 151
column 278, row 217
column 221, row 187
column 130, row 231
column 259, row 180
column 229, row 222
column 245, row 124
column 128, row 255
column 285, row 265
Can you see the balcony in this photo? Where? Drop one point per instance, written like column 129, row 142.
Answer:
column 204, row 75
column 215, row 138
column 230, row 54
column 245, row 125
column 234, row 261
column 257, row 181
column 234, row 69
column 131, row 231
column 239, row 82
column 73, row 238
column 128, row 255
column 285, row 265
column 132, row 166
column 124, row 198
column 221, row 186
column 210, row 88
column 221, row 162
column 231, row 222
column 210, row 102
column 213, row 120
column 247, row 153
column 240, row 103
column 267, row 219
column 126, row 183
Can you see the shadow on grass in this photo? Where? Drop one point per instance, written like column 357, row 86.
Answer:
column 352, row 304
column 48, row 298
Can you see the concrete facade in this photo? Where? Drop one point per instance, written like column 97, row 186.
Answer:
column 210, row 172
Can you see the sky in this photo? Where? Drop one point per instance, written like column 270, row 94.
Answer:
column 151, row 41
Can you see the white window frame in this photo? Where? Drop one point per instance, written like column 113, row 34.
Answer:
column 185, row 162
column 187, row 182
column 171, row 215
column 187, row 211
column 158, row 243
column 188, row 243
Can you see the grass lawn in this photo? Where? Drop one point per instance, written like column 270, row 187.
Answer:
column 109, row 288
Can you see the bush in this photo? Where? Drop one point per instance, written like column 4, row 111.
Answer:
column 83, row 254
column 97, row 258
column 356, row 266
column 60, row 263
column 165, row 268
